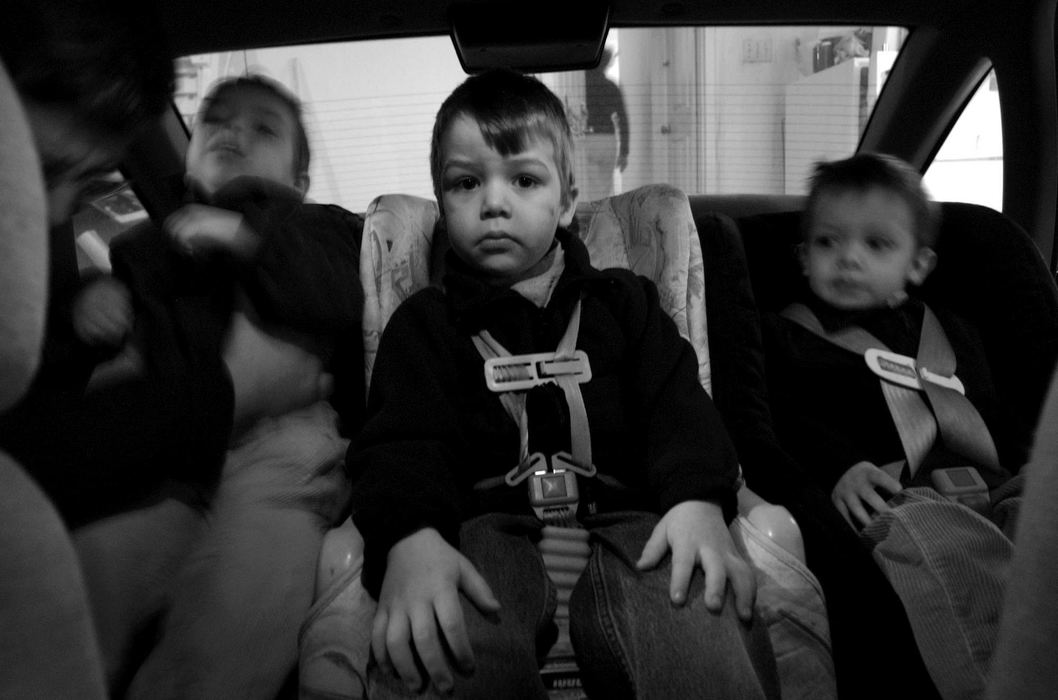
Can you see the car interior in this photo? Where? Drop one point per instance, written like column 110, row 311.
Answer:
column 730, row 103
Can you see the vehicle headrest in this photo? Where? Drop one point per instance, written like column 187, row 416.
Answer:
column 23, row 249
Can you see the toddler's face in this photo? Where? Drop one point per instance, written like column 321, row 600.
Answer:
column 501, row 211
column 243, row 130
column 861, row 251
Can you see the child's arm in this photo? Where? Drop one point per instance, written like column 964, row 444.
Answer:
column 697, row 535
column 419, row 611
column 857, row 491
column 102, row 312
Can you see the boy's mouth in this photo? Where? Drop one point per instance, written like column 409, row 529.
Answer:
column 226, row 147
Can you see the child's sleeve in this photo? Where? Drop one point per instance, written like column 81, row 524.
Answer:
column 403, row 459
column 689, row 453
column 306, row 273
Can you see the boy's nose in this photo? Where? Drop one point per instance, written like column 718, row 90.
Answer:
column 849, row 255
column 494, row 200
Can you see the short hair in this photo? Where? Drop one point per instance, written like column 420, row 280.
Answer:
column 302, row 154
column 104, row 61
column 509, row 108
column 865, row 171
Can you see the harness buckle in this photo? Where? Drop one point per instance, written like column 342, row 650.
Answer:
column 901, row 369
column 554, row 495
column 535, row 463
column 523, row 372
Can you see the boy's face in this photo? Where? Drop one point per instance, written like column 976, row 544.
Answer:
column 861, row 251
column 71, row 156
column 501, row 211
column 244, row 130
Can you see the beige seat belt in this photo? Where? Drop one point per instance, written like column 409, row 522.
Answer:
column 904, row 380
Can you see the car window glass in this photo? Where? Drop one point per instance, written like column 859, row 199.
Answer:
column 108, row 207
column 708, row 109
column 969, row 165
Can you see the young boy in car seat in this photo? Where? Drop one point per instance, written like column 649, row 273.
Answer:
column 842, row 358
column 464, row 603
column 249, row 278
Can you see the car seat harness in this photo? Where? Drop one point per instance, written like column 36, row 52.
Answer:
column 553, row 492
column 907, row 383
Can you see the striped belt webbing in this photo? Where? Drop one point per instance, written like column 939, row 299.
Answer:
column 948, row 413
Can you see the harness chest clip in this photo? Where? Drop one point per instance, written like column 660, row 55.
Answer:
column 523, row 372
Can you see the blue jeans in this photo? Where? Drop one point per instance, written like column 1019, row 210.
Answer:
column 630, row 640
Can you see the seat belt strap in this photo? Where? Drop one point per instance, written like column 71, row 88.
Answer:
column 949, row 413
column 961, row 426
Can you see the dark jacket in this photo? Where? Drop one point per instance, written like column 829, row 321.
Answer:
column 435, row 429
column 304, row 277
column 828, row 407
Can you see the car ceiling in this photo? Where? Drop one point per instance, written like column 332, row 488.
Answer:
column 217, row 25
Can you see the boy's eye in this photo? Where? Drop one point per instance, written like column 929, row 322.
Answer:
column 526, row 181
column 879, row 244
column 266, row 130
column 823, row 242
column 466, row 183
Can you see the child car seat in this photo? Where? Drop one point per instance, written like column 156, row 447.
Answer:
column 650, row 231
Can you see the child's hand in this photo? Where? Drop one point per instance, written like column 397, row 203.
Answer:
column 697, row 535
column 857, row 490
column 419, row 604
column 198, row 227
column 102, row 313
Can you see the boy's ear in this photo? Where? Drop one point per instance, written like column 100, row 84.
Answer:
column 301, row 183
column 570, row 208
column 921, row 265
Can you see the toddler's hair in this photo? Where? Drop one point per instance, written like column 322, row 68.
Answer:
column 510, row 108
column 865, row 171
column 302, row 155
column 106, row 62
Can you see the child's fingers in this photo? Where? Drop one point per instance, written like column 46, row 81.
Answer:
column 431, row 653
column 379, row 627
column 453, row 628
column 875, row 501
column 715, row 580
column 653, row 550
column 887, row 482
column 744, row 586
column 475, row 587
column 401, row 656
column 680, row 579
column 858, row 511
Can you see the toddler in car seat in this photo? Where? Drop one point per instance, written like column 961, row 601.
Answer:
column 456, row 482
column 254, row 293
column 865, row 395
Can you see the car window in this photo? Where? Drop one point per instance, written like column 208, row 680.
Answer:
column 108, row 207
column 969, row 165
column 709, row 109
